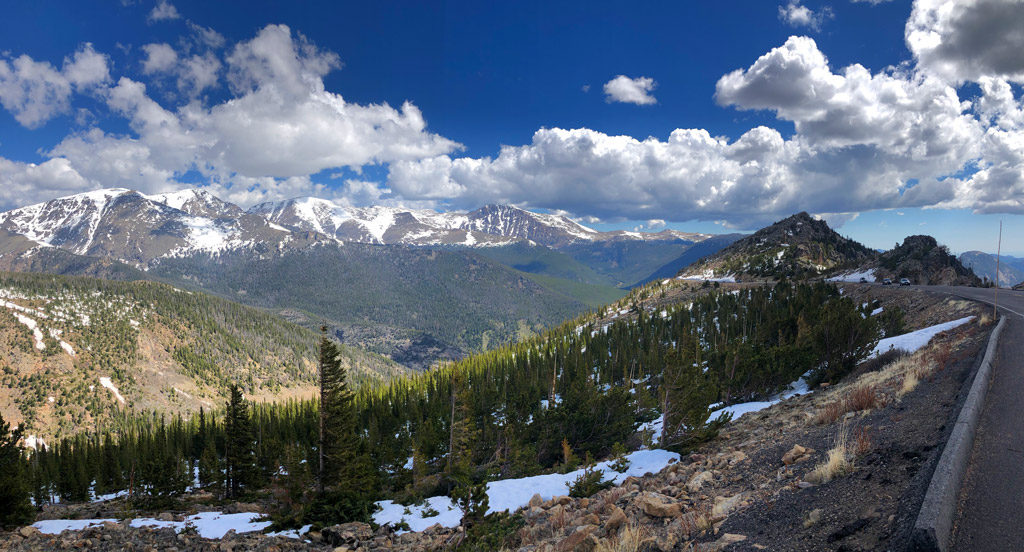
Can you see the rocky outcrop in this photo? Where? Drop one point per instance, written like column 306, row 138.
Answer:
column 923, row 261
column 796, row 247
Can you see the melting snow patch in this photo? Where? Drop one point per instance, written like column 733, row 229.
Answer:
column 868, row 275
column 209, row 525
column 798, row 387
column 56, row 526
column 913, row 341
column 447, row 513
column 105, row 382
column 512, row 494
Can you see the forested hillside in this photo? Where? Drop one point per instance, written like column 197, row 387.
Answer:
column 387, row 298
column 582, row 390
column 80, row 351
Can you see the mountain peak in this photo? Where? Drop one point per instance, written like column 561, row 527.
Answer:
column 799, row 246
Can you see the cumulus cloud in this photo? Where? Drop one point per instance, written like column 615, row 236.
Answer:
column 159, row 58
column 798, row 15
column 279, row 127
column 863, row 141
column 35, row 91
column 193, row 74
column 965, row 40
column 164, row 11
column 626, row 90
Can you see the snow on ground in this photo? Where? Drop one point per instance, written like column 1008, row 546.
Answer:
column 37, row 334
column 448, row 514
column 55, row 526
column 913, row 341
column 209, row 525
column 105, row 382
column 798, row 387
column 708, row 275
column 512, row 494
column 868, row 275
column 909, row 342
column 877, row 311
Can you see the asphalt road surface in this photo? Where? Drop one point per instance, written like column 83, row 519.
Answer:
column 991, row 510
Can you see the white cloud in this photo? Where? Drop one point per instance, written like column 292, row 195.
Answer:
column 863, row 141
column 280, row 126
column 965, row 40
column 872, row 2
column 160, row 58
column 164, row 11
column 24, row 183
column 35, row 91
column 626, row 90
column 206, row 35
column 798, row 15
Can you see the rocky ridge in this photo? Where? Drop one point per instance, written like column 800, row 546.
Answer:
column 799, row 246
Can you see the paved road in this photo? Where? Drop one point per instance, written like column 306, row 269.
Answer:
column 991, row 511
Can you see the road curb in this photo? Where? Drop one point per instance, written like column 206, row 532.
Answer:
column 934, row 524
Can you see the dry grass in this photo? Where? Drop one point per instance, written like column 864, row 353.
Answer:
column 628, row 540
column 861, row 398
column 910, row 381
column 838, row 462
column 862, row 442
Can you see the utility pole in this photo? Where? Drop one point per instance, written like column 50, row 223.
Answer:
column 999, row 250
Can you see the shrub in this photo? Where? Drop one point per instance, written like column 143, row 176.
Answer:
column 588, row 483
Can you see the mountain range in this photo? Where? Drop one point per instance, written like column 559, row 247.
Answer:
column 383, row 277
column 1011, row 269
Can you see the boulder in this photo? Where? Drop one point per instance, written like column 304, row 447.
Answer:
column 581, row 540
column 698, row 481
column 796, row 454
column 28, row 531
column 725, row 505
column 346, row 533
column 615, row 521
column 653, row 506
column 536, row 501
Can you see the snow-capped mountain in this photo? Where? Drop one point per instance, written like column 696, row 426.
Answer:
column 376, row 224
column 140, row 229
column 136, row 228
column 488, row 225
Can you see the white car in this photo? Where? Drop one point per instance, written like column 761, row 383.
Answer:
column 904, row 282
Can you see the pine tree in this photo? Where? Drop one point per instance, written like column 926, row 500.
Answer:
column 15, row 508
column 240, row 456
column 345, row 478
column 687, row 397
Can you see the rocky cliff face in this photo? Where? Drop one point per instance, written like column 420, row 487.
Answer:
column 923, row 261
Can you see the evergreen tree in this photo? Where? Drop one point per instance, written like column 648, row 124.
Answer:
column 688, row 394
column 240, row 455
column 345, row 478
column 15, row 508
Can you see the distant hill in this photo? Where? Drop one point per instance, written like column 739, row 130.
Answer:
column 796, row 247
column 922, row 260
column 692, row 254
column 1011, row 269
column 68, row 343
column 386, row 298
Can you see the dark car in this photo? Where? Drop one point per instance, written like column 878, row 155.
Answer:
column 863, row 280
column 887, row 282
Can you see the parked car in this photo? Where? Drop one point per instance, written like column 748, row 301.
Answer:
column 863, row 280
column 887, row 282
column 904, row 282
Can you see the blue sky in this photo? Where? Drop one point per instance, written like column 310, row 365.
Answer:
column 269, row 100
